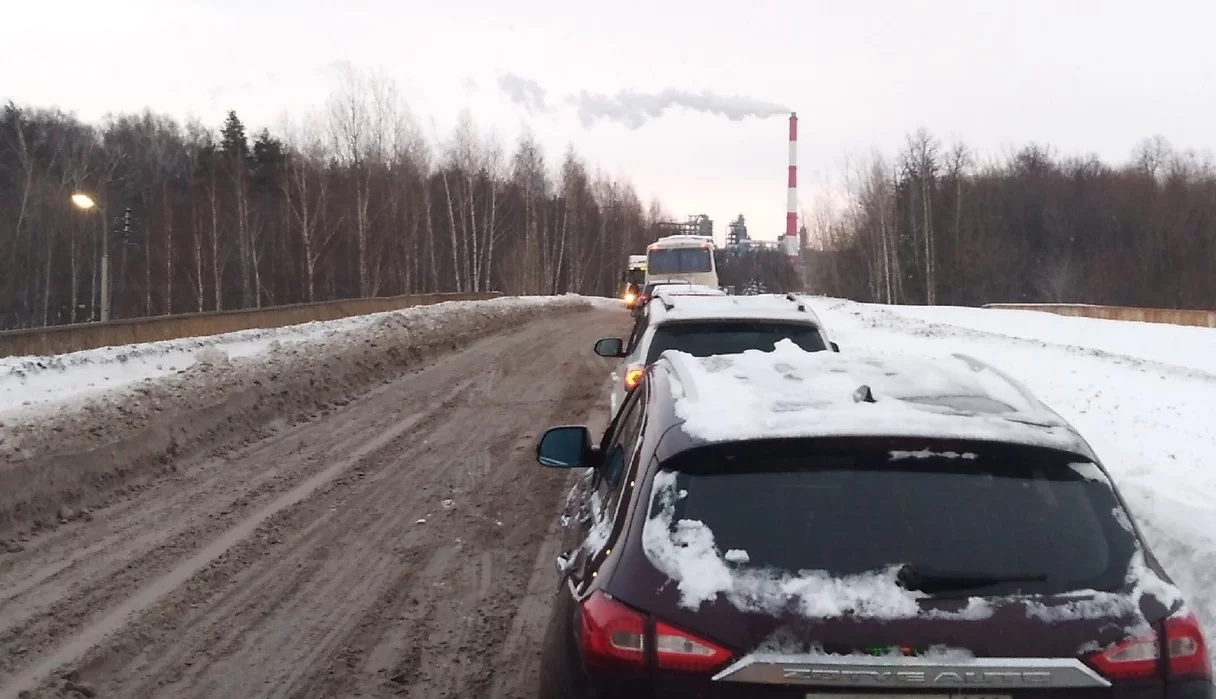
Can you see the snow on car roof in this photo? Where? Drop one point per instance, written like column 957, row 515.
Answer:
column 792, row 393
column 766, row 306
column 687, row 290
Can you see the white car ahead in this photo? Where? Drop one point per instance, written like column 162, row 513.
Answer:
column 703, row 325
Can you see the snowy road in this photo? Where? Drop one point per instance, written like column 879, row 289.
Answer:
column 1142, row 394
column 390, row 545
column 401, row 543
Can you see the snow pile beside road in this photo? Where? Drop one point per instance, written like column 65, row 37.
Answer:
column 81, row 441
column 44, row 383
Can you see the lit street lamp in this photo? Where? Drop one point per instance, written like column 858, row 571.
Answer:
column 85, row 203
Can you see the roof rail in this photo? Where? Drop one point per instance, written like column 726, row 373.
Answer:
column 794, row 299
column 977, row 364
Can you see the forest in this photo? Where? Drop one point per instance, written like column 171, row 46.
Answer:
column 350, row 202
column 933, row 225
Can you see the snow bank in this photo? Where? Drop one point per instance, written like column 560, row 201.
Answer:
column 1176, row 345
column 46, row 382
column 118, row 412
column 1142, row 394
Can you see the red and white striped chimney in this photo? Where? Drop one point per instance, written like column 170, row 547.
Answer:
column 791, row 209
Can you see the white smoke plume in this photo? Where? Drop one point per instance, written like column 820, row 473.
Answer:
column 633, row 109
column 523, row 91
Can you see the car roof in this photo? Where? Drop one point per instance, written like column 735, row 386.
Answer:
column 677, row 306
column 667, row 290
column 790, row 393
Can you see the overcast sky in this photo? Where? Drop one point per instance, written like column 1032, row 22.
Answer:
column 1085, row 76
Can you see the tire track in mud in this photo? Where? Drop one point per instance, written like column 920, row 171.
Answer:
column 342, row 590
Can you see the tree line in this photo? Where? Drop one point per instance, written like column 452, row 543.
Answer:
column 934, row 226
column 351, row 202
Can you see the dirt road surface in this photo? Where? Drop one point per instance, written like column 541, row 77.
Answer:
column 399, row 545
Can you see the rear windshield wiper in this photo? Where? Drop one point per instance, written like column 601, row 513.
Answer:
column 931, row 580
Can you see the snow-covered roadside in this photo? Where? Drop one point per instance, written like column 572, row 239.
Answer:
column 76, row 446
column 1142, row 394
column 46, row 383
column 1176, row 345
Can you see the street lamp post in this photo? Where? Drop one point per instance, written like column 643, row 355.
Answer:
column 86, row 203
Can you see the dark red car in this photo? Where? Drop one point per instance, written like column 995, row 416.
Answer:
column 795, row 525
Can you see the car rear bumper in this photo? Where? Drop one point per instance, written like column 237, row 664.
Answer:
column 1190, row 690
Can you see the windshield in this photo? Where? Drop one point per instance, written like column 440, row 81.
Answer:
column 679, row 261
column 636, row 276
column 706, row 339
column 1020, row 513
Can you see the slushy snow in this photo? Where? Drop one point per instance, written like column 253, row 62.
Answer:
column 48, row 383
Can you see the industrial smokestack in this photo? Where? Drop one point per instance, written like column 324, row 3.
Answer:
column 791, row 209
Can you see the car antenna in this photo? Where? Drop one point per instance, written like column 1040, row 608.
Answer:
column 863, row 394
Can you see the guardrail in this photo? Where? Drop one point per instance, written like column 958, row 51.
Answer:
column 1204, row 319
column 82, row 336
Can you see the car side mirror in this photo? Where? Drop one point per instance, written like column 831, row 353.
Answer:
column 835, row 347
column 566, row 446
column 611, row 347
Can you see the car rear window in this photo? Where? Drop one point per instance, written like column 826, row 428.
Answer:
column 705, row 339
column 1000, row 511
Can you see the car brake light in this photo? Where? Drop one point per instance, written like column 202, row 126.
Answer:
column 612, row 636
column 633, row 377
column 1188, row 651
column 1138, row 657
column 680, row 650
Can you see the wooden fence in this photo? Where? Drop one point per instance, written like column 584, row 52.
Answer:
column 1206, row 319
column 82, row 336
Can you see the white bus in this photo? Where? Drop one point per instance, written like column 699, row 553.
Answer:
column 687, row 258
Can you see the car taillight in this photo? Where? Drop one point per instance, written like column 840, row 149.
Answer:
column 1138, row 657
column 613, row 637
column 1188, row 651
column 680, row 650
column 633, row 377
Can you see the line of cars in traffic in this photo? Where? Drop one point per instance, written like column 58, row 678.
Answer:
column 768, row 516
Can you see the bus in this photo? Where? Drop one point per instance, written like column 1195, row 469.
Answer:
column 682, row 258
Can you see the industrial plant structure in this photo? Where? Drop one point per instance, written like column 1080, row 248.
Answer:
column 699, row 224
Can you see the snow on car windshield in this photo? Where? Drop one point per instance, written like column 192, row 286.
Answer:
column 756, row 535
